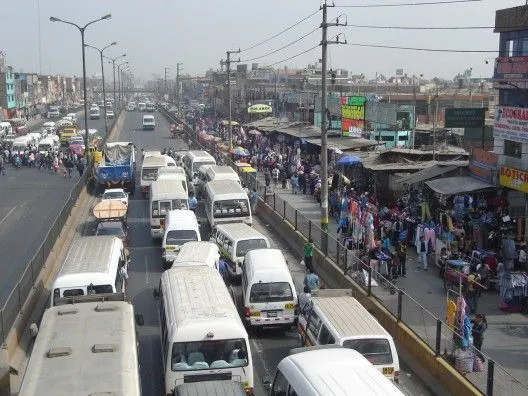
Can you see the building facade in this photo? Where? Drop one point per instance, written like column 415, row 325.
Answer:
column 7, row 92
column 510, row 129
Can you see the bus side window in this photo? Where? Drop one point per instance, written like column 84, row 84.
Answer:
column 280, row 385
column 325, row 337
column 291, row 391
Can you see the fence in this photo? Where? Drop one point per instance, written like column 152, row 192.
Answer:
column 28, row 281
column 490, row 378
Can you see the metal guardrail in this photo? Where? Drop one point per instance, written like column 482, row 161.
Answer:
column 29, row 280
column 442, row 339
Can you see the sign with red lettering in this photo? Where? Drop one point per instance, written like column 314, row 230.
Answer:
column 483, row 165
column 511, row 68
column 514, row 178
column 511, row 123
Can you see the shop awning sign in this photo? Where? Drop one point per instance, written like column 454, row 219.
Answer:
column 514, row 178
column 511, row 123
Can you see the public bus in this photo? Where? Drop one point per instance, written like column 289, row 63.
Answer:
column 227, row 202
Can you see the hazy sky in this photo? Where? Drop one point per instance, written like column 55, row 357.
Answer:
column 159, row 33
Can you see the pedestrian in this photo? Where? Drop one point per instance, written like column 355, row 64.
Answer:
column 275, row 176
column 253, row 200
column 294, row 183
column 308, row 254
column 304, row 297
column 2, row 165
column 311, row 281
column 80, row 168
column 423, row 253
column 471, row 292
column 267, row 178
column 480, row 325
column 123, row 274
column 193, row 202
column 401, row 252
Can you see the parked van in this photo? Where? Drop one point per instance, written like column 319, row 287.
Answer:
column 198, row 253
column 20, row 144
column 5, row 129
column 50, row 143
column 149, row 172
column 226, row 202
column 208, row 173
column 194, row 159
column 149, row 122
column 91, row 267
column 269, row 297
column 181, row 226
column 174, row 173
column 335, row 317
column 202, row 336
column 329, row 370
column 165, row 195
column 95, row 114
column 235, row 240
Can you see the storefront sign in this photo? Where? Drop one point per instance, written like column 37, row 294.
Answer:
column 511, row 123
column 514, row 179
column 511, row 68
column 260, row 109
column 352, row 115
column 465, row 117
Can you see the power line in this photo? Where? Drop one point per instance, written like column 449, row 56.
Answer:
column 294, row 56
column 409, row 4
column 422, row 49
column 283, row 47
column 422, row 27
column 281, row 32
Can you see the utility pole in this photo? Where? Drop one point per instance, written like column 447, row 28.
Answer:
column 165, row 81
column 434, row 124
column 228, row 65
column 324, row 126
column 178, row 85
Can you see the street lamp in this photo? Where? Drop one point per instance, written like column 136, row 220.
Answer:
column 275, row 93
column 102, row 75
column 119, row 79
column 82, row 30
column 124, row 78
column 113, row 61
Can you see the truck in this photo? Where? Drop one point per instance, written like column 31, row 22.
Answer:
column 115, row 167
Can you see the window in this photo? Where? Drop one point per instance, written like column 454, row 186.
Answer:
column 231, row 208
column 280, row 385
column 512, row 149
column 179, row 237
column 245, row 246
column 270, row 292
column 314, row 323
column 377, row 351
column 325, row 337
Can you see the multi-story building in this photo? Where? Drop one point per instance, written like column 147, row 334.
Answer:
column 510, row 130
column 7, row 92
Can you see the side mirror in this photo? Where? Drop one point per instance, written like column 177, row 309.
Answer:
column 33, row 330
column 156, row 294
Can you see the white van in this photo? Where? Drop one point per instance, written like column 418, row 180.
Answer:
column 149, row 122
column 202, row 336
column 152, row 153
column 198, row 253
column 53, row 111
column 50, row 126
column 5, row 129
column 142, row 106
column 181, row 226
column 20, row 144
column 335, row 317
column 95, row 114
column 227, row 202
column 234, row 241
column 268, row 293
column 174, row 173
column 91, row 267
column 194, row 159
column 329, row 370
column 50, row 143
column 165, row 195
column 149, row 171
column 208, row 173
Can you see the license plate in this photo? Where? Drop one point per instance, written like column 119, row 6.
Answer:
column 388, row 370
column 289, row 306
column 272, row 314
column 170, row 248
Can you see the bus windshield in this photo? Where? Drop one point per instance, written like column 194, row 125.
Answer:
column 149, row 173
column 231, row 208
column 205, row 355
column 376, row 350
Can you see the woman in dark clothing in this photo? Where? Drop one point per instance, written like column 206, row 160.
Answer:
column 480, row 324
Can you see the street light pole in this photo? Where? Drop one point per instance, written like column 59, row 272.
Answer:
column 113, row 61
column 82, row 30
column 119, row 80
column 102, row 75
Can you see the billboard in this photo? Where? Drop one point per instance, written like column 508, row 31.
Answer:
column 483, row 165
column 352, row 115
column 381, row 113
column 511, row 123
column 511, row 68
column 514, row 178
column 465, row 117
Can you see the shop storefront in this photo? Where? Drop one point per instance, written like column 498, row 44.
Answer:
column 516, row 183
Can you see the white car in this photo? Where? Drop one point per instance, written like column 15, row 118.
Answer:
column 110, row 114
column 115, row 194
column 68, row 118
column 73, row 117
column 91, row 132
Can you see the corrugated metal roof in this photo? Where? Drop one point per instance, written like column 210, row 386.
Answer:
column 457, row 184
column 345, row 143
column 426, row 174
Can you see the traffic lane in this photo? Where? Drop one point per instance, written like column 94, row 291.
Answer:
column 157, row 139
column 31, row 199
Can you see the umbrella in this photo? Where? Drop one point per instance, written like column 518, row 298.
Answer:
column 348, row 160
column 254, row 132
column 241, row 151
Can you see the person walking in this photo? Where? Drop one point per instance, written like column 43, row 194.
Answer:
column 480, row 325
column 294, row 183
column 2, row 165
column 275, row 176
column 193, row 202
column 267, row 178
column 308, row 254
column 423, row 253
column 311, row 281
column 253, row 200
column 401, row 252
column 80, row 168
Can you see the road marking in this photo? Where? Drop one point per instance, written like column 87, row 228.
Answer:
column 8, row 213
column 146, row 270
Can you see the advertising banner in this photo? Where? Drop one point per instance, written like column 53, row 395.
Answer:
column 483, row 165
column 465, row 117
column 352, row 115
column 382, row 113
column 514, row 179
column 511, row 123
column 511, row 68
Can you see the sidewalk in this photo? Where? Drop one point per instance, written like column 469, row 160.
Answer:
column 506, row 339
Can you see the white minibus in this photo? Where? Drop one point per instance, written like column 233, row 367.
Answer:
column 85, row 349
column 174, row 173
column 333, row 316
column 234, row 240
column 165, row 195
column 20, row 144
column 329, row 370
column 142, row 106
column 50, row 143
column 208, row 173
column 202, row 336
column 149, row 171
column 149, row 122
column 194, row 159
column 198, row 253
column 268, row 293
column 181, row 226
column 91, row 266
column 227, row 202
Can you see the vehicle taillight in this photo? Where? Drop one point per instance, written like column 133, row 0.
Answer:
column 247, row 312
column 162, row 222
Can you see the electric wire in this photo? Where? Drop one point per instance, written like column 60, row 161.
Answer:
column 422, row 49
column 281, row 32
column 294, row 56
column 424, row 3
column 421, row 27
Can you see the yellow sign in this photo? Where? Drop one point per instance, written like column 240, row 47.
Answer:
column 260, row 109
column 514, row 178
column 353, row 112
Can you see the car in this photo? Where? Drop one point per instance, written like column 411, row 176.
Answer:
column 73, row 117
column 68, row 118
column 131, row 107
column 77, row 139
column 110, row 114
column 91, row 132
column 113, row 228
column 115, row 194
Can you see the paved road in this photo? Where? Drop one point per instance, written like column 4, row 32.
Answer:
column 29, row 202
column 268, row 347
